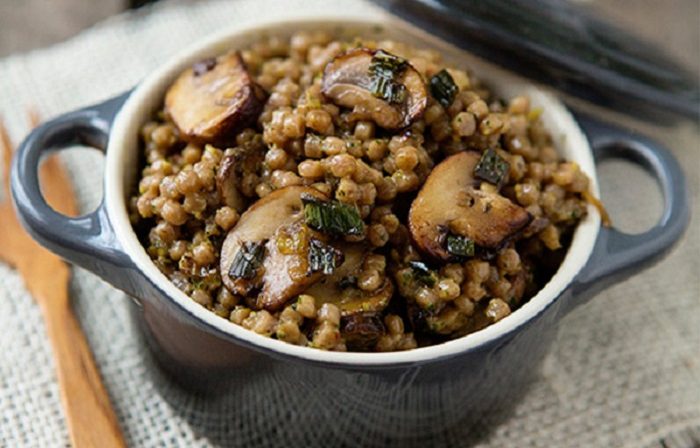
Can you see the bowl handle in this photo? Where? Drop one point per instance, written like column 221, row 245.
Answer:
column 616, row 254
column 88, row 240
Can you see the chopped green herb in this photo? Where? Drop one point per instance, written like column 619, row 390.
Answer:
column 248, row 260
column 332, row 216
column 460, row 246
column 323, row 257
column 422, row 273
column 492, row 168
column 384, row 70
column 443, row 87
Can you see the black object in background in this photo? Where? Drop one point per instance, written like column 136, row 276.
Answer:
column 133, row 4
column 555, row 42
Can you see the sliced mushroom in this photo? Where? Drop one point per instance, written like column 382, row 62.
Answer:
column 287, row 271
column 229, row 175
column 214, row 99
column 347, row 81
column 362, row 330
column 338, row 290
column 450, row 202
column 277, row 222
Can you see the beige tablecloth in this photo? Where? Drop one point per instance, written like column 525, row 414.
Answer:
column 624, row 370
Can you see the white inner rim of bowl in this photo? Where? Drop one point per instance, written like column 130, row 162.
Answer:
column 121, row 170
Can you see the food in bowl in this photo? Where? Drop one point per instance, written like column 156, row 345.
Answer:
column 352, row 195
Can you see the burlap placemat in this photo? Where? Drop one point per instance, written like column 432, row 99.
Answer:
column 624, row 370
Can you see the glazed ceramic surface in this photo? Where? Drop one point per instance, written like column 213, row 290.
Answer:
column 244, row 380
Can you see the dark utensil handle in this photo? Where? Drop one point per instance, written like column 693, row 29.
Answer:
column 617, row 254
column 88, row 240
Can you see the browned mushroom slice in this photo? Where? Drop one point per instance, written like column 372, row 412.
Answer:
column 268, row 250
column 227, row 179
column 340, row 290
column 290, row 266
column 235, row 162
column 353, row 80
column 361, row 331
column 214, row 99
column 450, row 202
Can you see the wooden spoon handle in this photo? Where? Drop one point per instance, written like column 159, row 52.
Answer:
column 91, row 420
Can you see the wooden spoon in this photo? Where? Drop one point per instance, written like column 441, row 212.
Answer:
column 91, row 420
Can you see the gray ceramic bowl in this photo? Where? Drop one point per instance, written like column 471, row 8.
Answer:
column 352, row 396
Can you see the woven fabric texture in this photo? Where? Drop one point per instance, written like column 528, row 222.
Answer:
column 623, row 372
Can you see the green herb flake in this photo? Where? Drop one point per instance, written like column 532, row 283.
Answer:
column 460, row 246
column 443, row 87
column 492, row 168
column 323, row 257
column 248, row 260
column 422, row 273
column 197, row 283
column 384, row 71
column 332, row 216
